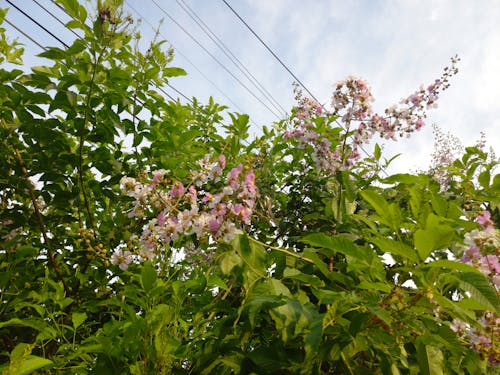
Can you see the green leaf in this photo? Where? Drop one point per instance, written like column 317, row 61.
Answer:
column 78, row 318
column 23, row 363
column 376, row 201
column 430, row 359
column 386, row 288
column 377, row 152
column 295, row 274
column 435, row 236
column 174, row 72
column 480, row 289
column 335, row 243
column 406, row 178
column 252, row 253
column 484, row 179
column 453, row 265
column 229, row 261
column 396, row 248
column 148, row 277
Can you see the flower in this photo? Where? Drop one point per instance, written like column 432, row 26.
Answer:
column 121, row 258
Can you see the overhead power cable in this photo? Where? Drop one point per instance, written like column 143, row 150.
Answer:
column 177, row 50
column 230, row 55
column 159, row 88
column 286, row 67
column 24, row 34
column 38, row 24
column 214, row 58
column 56, row 18
column 271, row 51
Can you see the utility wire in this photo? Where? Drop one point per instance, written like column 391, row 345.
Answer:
column 159, row 88
column 230, row 55
column 286, row 68
column 185, row 57
column 57, row 19
column 214, row 58
column 38, row 23
column 271, row 51
column 24, row 34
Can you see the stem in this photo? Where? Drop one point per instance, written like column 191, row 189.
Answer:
column 282, row 250
column 41, row 223
column 82, row 139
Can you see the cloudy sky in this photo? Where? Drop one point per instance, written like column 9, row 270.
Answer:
column 395, row 45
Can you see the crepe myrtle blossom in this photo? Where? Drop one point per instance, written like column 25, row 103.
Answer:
column 214, row 204
column 351, row 106
column 121, row 258
column 481, row 250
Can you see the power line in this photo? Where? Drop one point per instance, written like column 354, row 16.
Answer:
column 214, row 58
column 37, row 23
column 286, row 68
column 62, row 23
column 230, row 55
column 57, row 19
column 24, row 34
column 271, row 51
column 177, row 50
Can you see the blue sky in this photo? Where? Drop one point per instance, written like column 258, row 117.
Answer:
column 395, row 45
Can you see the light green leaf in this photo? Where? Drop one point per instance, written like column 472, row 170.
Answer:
column 148, row 277
column 435, row 236
column 479, row 288
column 174, row 72
column 453, row 265
column 396, row 248
column 376, row 201
column 31, row 363
column 78, row 318
column 295, row 274
column 229, row 261
column 430, row 360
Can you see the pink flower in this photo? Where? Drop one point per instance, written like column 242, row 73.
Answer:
column 222, row 161
column 161, row 218
column 177, row 190
column 484, row 219
column 419, row 124
column 214, row 225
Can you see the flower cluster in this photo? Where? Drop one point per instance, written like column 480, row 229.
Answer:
column 482, row 248
column 212, row 206
column 446, row 149
column 351, row 103
column 304, row 132
column 352, row 97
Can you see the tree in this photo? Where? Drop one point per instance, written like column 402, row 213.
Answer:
column 144, row 236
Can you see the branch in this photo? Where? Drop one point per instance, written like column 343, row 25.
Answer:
column 41, row 224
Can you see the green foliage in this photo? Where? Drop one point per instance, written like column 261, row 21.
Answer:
column 337, row 273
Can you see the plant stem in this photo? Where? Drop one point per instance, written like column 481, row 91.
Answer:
column 41, row 223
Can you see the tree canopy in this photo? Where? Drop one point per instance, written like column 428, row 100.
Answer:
column 146, row 236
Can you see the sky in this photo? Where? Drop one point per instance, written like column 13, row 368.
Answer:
column 395, row 45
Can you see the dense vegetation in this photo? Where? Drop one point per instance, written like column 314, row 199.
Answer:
column 146, row 236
